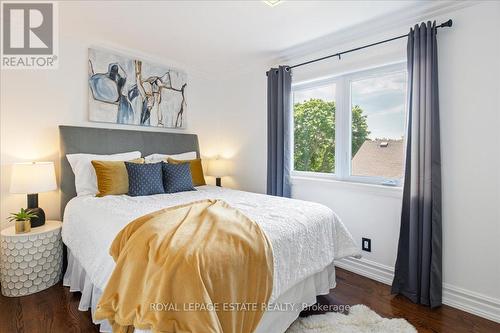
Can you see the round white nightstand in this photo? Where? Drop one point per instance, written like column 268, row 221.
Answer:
column 30, row 262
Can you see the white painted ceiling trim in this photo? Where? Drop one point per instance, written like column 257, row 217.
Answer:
column 400, row 20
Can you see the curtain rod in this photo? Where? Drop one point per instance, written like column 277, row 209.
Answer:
column 448, row 23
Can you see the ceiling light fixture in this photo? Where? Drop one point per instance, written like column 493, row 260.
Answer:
column 272, row 3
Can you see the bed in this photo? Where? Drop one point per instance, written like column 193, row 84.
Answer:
column 305, row 237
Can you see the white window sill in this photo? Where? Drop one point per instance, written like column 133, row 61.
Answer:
column 331, row 180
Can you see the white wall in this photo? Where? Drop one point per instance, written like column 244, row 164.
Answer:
column 469, row 74
column 243, row 134
column 469, row 85
column 35, row 102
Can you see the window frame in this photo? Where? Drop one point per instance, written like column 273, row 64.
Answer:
column 343, row 121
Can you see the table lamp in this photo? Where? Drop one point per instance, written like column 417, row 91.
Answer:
column 32, row 178
column 217, row 168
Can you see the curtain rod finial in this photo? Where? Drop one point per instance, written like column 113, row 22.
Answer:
column 448, row 23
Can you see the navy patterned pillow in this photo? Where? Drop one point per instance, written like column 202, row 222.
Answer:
column 177, row 177
column 144, row 179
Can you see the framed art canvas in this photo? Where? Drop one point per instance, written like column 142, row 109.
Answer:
column 125, row 90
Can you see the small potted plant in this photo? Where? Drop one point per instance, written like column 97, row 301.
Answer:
column 22, row 220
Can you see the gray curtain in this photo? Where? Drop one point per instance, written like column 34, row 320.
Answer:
column 418, row 272
column 279, row 124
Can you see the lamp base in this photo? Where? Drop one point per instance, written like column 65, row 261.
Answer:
column 40, row 219
column 218, row 181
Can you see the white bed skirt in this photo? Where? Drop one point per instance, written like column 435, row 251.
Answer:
column 301, row 295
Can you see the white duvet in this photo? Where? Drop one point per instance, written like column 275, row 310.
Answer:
column 306, row 237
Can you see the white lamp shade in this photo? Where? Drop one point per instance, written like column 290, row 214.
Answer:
column 33, row 177
column 218, row 168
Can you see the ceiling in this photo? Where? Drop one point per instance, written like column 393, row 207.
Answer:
column 211, row 36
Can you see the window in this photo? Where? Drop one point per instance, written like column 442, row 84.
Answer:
column 378, row 124
column 314, row 121
column 351, row 127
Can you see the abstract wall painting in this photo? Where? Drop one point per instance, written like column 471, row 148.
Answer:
column 124, row 90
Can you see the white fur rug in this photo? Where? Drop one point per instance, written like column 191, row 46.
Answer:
column 361, row 319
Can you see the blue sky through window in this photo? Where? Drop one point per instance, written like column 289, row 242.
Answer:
column 383, row 100
column 326, row 93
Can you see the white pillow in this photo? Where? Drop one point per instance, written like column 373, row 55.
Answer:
column 155, row 158
column 85, row 177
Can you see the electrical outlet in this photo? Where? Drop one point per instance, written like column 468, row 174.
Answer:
column 366, row 244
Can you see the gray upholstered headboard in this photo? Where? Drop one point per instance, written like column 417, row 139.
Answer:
column 93, row 140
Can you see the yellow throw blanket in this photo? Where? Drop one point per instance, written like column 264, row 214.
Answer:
column 202, row 267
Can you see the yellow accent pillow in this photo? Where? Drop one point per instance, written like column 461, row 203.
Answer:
column 112, row 177
column 196, row 170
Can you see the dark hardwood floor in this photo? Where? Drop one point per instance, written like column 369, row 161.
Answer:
column 56, row 309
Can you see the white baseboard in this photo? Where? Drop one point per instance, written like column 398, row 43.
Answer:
column 462, row 299
column 368, row 268
column 469, row 301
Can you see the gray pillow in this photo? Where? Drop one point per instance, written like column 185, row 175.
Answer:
column 177, row 177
